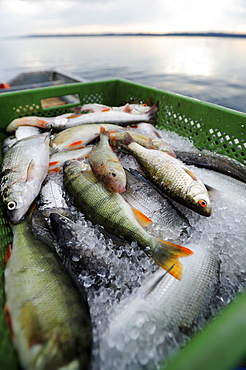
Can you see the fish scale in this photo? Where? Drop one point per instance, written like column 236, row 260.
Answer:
column 24, row 168
column 111, row 211
column 47, row 333
column 160, row 308
column 172, row 176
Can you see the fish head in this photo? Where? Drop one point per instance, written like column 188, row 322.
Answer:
column 17, row 202
column 15, row 208
column 115, row 179
column 200, row 201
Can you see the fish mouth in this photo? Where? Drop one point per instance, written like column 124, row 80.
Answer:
column 207, row 212
column 121, row 189
column 204, row 211
column 117, row 188
column 15, row 217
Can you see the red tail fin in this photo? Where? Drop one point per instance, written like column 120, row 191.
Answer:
column 166, row 255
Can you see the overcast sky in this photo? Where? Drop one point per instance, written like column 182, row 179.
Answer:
column 24, row 17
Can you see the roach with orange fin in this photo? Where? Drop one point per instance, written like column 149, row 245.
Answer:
column 171, row 176
column 79, row 136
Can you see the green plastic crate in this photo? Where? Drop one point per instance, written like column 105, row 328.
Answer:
column 223, row 342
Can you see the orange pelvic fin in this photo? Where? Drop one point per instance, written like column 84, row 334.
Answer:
column 75, row 144
column 141, row 218
column 8, row 254
column 53, row 163
column 54, row 166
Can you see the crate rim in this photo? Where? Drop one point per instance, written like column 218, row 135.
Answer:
column 125, row 81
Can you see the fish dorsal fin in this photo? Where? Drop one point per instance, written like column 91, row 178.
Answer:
column 102, row 130
column 191, row 174
column 141, row 218
column 127, row 109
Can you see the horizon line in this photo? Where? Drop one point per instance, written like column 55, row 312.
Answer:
column 211, row 34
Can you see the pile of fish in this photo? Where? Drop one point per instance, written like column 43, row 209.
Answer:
column 102, row 210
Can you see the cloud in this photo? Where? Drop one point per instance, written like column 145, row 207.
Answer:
column 20, row 17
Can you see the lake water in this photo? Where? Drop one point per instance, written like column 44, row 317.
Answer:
column 212, row 69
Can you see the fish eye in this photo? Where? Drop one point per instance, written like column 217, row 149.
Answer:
column 202, row 203
column 11, row 205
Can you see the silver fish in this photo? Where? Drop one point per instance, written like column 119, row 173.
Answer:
column 129, row 108
column 51, row 197
column 58, row 159
column 25, row 131
column 118, row 118
column 25, row 166
column 20, row 133
column 160, row 308
column 79, row 136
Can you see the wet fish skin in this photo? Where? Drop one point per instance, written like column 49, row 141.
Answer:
column 25, row 131
column 148, row 129
column 110, row 210
column 35, row 121
column 66, row 233
column 119, row 118
column 49, row 319
column 23, row 170
column 161, row 307
column 128, row 108
column 58, row 159
column 7, row 143
column 141, row 194
column 79, row 136
column 20, row 133
column 106, row 165
column 172, row 176
column 142, row 139
column 51, row 197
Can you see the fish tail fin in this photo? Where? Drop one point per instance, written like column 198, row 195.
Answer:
column 166, row 255
column 103, row 132
column 127, row 108
column 126, row 140
column 152, row 113
column 102, row 129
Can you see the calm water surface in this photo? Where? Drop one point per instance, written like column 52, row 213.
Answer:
column 207, row 68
